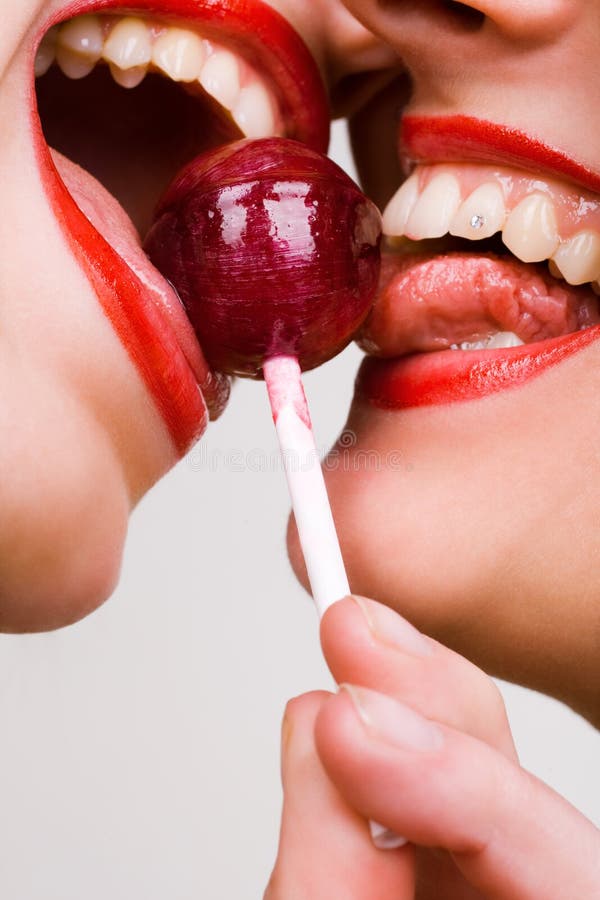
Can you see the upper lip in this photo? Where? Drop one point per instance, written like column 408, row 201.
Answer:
column 469, row 139
column 257, row 30
column 463, row 139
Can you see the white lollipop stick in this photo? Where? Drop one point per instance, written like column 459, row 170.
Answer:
column 314, row 519
column 316, row 529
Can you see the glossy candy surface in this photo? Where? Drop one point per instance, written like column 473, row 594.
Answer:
column 272, row 248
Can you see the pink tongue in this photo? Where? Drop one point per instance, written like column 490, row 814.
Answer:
column 427, row 304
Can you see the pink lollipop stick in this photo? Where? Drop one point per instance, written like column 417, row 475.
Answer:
column 314, row 520
column 312, row 511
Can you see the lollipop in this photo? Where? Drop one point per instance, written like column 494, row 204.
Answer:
column 275, row 254
column 273, row 250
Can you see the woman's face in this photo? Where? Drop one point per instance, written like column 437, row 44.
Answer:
column 104, row 386
column 467, row 492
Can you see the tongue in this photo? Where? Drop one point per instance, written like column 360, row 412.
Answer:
column 427, row 304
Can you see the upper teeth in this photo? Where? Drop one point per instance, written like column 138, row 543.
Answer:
column 131, row 46
column 538, row 219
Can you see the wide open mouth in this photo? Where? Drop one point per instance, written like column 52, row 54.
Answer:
column 125, row 99
column 484, row 257
column 131, row 100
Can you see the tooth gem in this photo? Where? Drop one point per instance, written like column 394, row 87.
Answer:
column 273, row 250
column 477, row 222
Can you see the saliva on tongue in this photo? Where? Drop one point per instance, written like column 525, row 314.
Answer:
column 274, row 252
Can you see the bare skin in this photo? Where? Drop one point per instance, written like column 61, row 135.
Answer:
column 420, row 743
column 83, row 439
column 486, row 536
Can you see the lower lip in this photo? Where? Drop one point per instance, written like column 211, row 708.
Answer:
column 142, row 329
column 455, row 376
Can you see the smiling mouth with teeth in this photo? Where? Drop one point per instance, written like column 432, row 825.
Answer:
column 125, row 98
column 498, row 265
column 121, row 135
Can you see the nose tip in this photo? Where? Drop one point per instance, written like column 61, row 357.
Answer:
column 467, row 16
column 523, row 20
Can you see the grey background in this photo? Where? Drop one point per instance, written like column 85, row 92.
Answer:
column 139, row 749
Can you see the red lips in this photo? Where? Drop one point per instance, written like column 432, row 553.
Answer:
column 466, row 139
column 450, row 376
column 183, row 389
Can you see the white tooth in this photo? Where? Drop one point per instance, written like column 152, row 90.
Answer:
column 554, row 270
column 128, row 78
column 254, row 111
column 83, row 36
column 179, row 53
column 504, row 339
column 469, row 345
column 435, row 208
column 129, row 44
column 396, row 213
column 72, row 64
column 579, row 258
column 530, row 231
column 220, row 77
column 482, row 214
column 498, row 341
column 46, row 53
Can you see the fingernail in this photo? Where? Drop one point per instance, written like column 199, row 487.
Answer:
column 390, row 628
column 393, row 722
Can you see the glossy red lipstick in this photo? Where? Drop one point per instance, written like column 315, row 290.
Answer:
column 184, row 393
column 454, row 376
column 468, row 139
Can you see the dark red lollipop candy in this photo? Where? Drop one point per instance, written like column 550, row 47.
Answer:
column 273, row 250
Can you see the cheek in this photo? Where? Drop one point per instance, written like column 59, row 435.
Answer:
column 445, row 511
column 52, row 327
column 64, row 510
column 82, row 439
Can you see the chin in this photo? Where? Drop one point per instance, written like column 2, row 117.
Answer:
column 63, row 520
column 446, row 520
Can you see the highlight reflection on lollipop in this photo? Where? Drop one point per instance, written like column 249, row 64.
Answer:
column 275, row 254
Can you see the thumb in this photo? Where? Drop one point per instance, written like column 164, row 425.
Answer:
column 325, row 848
column 510, row 835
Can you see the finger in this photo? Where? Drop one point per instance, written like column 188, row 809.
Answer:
column 325, row 849
column 367, row 643
column 510, row 835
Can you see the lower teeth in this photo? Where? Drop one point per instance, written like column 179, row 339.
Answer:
column 498, row 341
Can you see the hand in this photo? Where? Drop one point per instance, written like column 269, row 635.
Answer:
column 424, row 747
